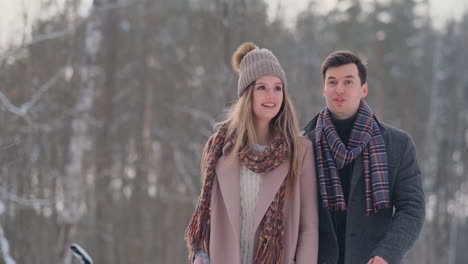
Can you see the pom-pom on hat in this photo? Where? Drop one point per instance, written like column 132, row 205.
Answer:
column 252, row 62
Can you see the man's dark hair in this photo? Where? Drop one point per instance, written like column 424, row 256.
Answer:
column 339, row 58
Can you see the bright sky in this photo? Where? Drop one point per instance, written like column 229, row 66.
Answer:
column 17, row 15
column 440, row 10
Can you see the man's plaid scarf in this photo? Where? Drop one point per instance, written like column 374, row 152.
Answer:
column 333, row 155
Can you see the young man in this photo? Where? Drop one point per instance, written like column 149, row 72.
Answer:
column 370, row 188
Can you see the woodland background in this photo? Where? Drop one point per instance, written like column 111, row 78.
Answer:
column 103, row 115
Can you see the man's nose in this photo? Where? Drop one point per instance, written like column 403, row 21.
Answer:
column 339, row 89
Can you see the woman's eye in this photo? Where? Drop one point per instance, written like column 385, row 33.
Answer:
column 261, row 87
column 278, row 88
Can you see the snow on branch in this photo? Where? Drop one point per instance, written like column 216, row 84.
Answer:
column 6, row 195
column 43, row 37
column 24, row 108
column 109, row 6
column 62, row 33
column 199, row 115
column 4, row 245
column 183, row 172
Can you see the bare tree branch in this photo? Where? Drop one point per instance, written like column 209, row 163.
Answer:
column 6, row 195
column 120, row 4
column 41, row 38
column 183, row 172
column 24, row 108
column 4, row 245
column 62, row 33
column 199, row 115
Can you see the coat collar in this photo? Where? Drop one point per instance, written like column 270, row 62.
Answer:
column 228, row 174
column 309, row 129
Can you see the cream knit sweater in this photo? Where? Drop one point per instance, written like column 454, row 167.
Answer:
column 249, row 189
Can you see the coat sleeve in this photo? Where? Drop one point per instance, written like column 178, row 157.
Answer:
column 408, row 201
column 307, row 246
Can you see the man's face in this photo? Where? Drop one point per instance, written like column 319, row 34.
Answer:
column 343, row 90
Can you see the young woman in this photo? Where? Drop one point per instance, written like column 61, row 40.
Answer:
column 258, row 202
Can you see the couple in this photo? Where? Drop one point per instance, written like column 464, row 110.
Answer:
column 349, row 191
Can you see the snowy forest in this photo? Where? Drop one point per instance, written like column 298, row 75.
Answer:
column 103, row 116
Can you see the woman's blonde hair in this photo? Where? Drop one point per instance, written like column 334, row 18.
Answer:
column 239, row 121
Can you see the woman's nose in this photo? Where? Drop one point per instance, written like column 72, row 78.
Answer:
column 271, row 94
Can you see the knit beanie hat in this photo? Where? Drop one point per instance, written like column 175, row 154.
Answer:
column 252, row 62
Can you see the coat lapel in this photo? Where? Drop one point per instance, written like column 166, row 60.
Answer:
column 228, row 173
column 269, row 186
column 356, row 174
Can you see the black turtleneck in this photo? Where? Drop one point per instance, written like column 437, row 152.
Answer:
column 343, row 128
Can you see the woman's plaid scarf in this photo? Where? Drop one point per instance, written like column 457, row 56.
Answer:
column 271, row 242
column 333, row 155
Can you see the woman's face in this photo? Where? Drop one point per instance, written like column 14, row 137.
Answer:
column 267, row 98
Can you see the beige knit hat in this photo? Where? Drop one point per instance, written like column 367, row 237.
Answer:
column 252, row 62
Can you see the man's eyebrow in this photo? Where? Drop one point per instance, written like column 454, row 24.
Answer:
column 347, row 76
